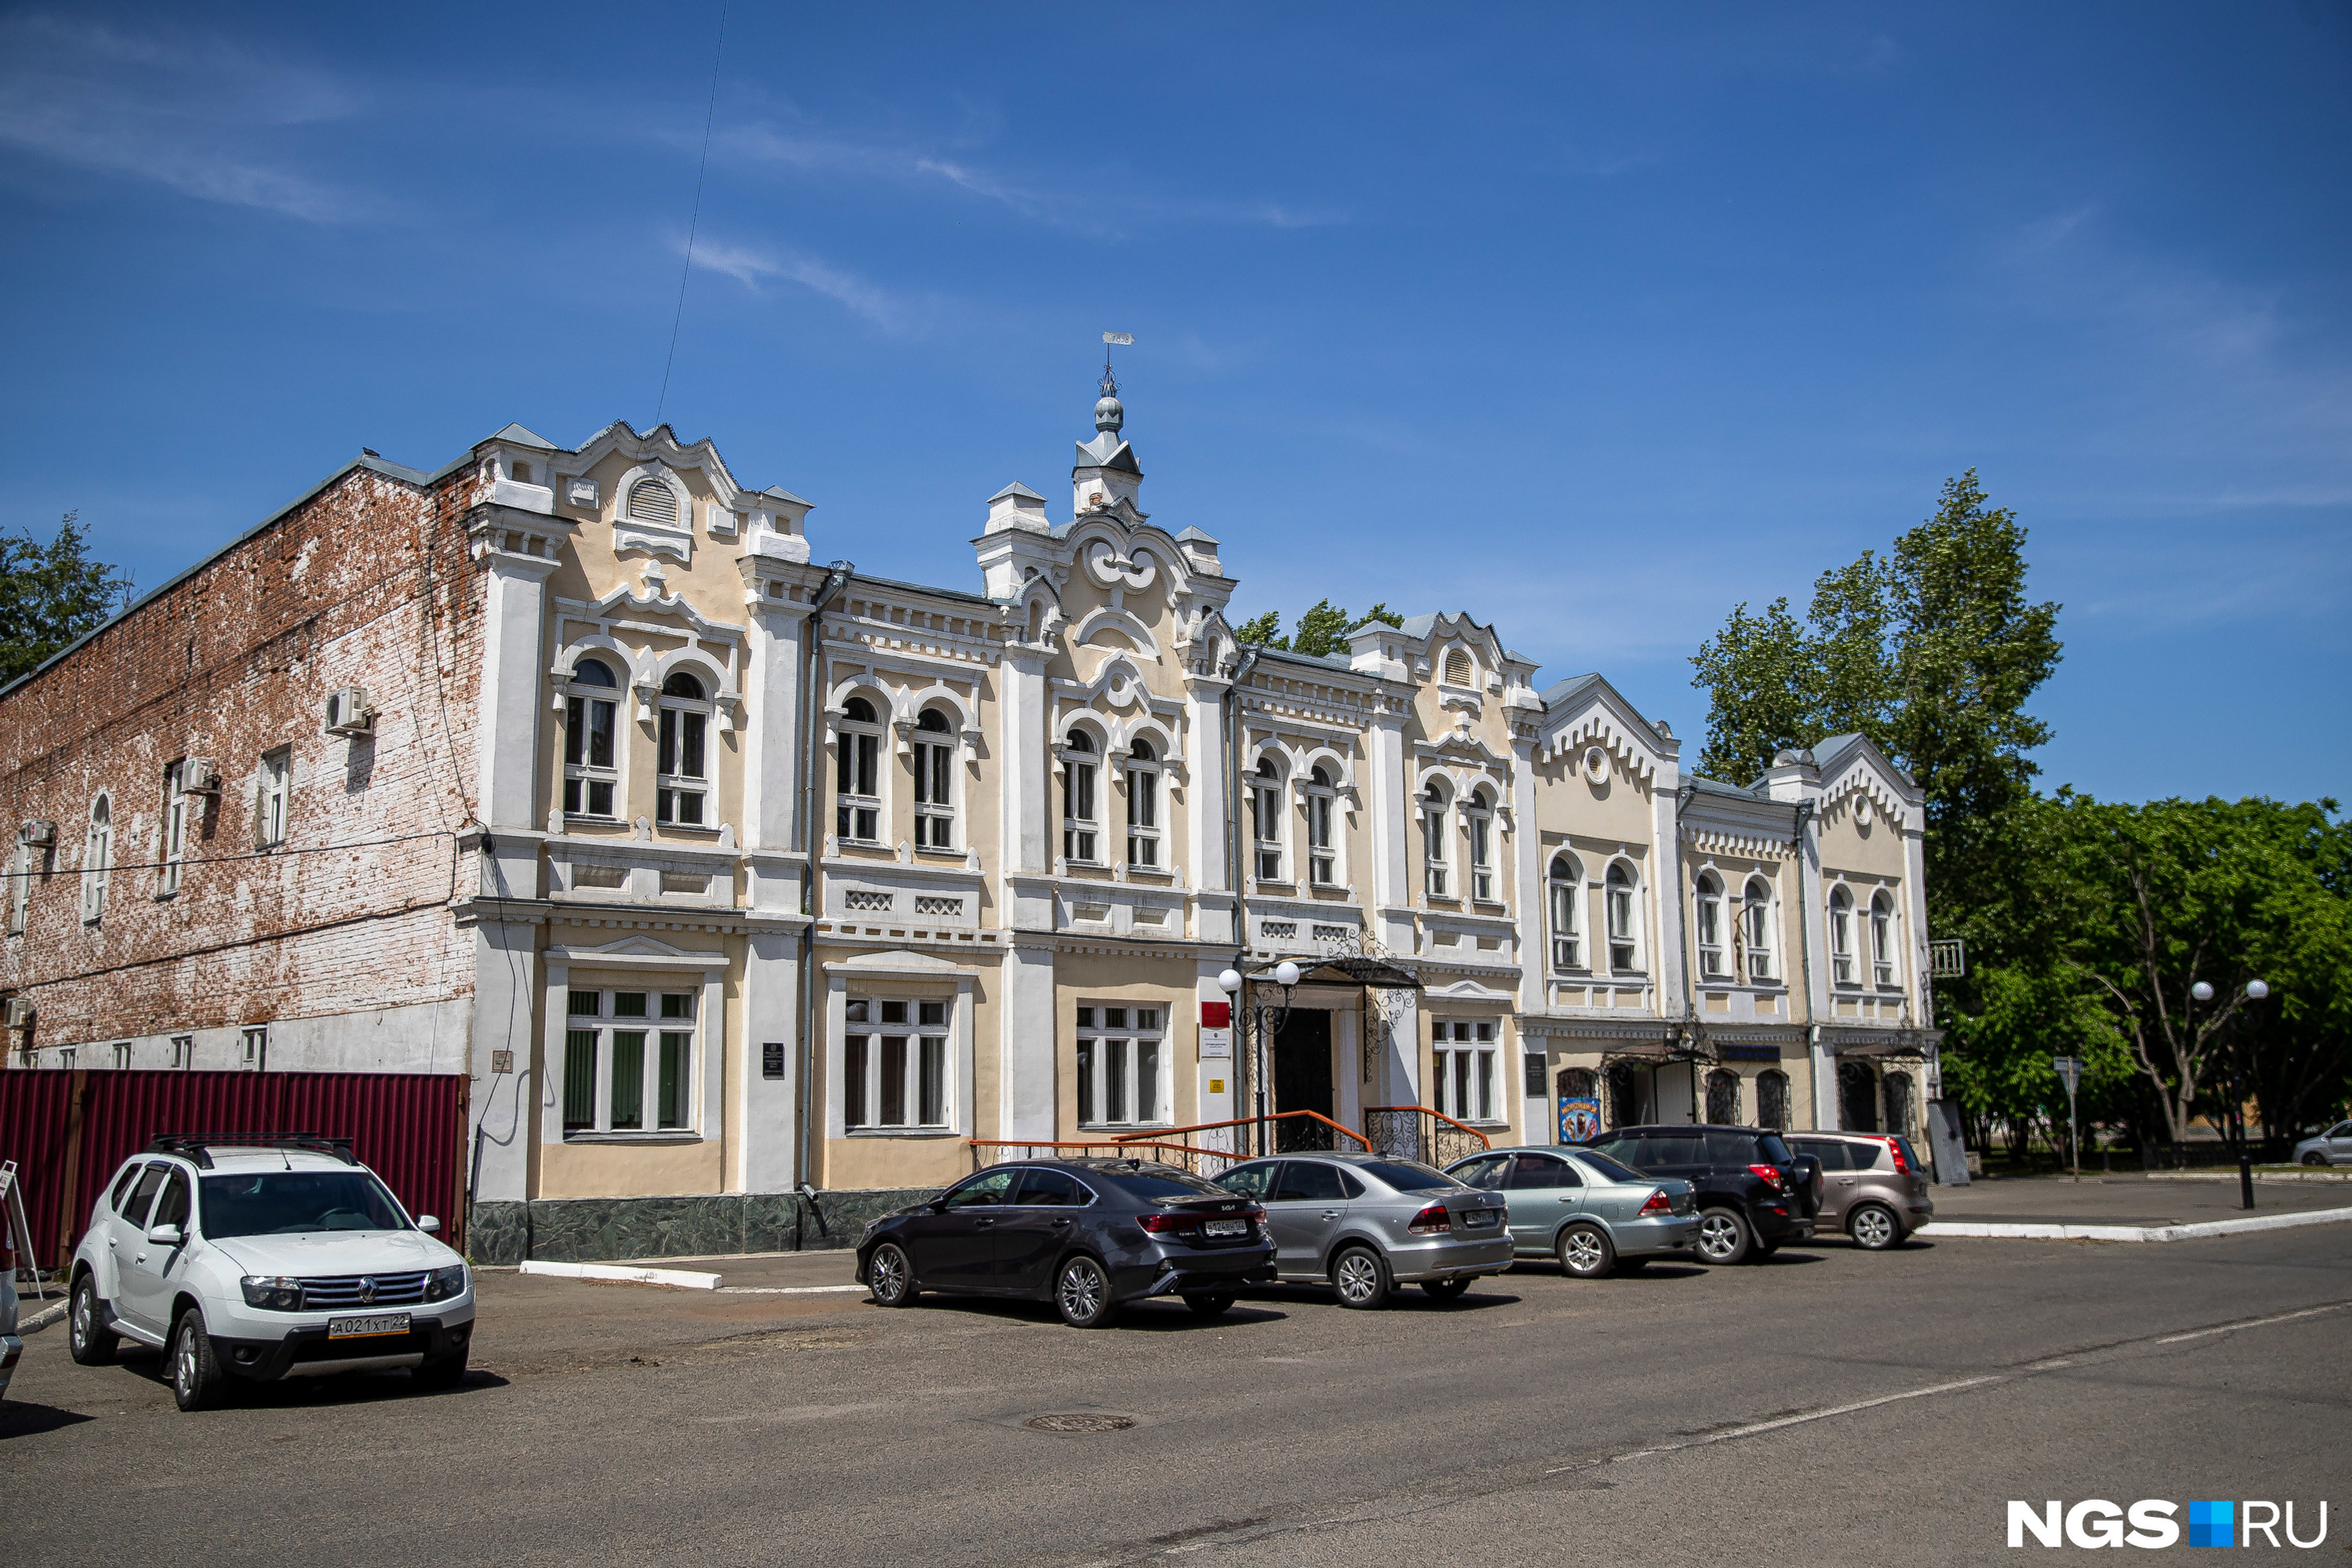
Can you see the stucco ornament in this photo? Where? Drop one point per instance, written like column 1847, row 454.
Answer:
column 1111, row 569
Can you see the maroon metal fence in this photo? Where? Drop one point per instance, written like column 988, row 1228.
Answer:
column 69, row 1130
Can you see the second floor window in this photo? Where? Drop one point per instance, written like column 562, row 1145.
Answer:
column 1142, row 806
column 1479, row 818
column 1432, row 829
column 1079, row 829
column 176, row 807
column 857, row 774
column 682, row 765
column 97, row 861
column 589, row 774
column 1881, row 940
column 1567, row 924
column 270, row 798
column 22, row 864
column 1266, row 820
column 935, row 756
column 1710, row 929
column 1322, row 859
column 1624, row 950
column 1756, row 916
column 1842, row 936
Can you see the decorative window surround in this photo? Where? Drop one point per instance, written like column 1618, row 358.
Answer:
column 913, row 978
column 636, row 962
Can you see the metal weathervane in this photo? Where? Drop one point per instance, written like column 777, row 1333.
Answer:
column 1124, row 340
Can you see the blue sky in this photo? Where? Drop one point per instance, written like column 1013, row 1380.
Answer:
column 1591, row 321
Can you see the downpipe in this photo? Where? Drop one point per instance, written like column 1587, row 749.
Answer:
column 837, row 577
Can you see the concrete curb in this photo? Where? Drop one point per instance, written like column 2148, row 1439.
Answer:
column 41, row 1320
column 2131, row 1232
column 680, row 1279
column 2338, row 1176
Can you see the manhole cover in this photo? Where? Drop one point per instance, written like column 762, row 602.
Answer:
column 1079, row 1423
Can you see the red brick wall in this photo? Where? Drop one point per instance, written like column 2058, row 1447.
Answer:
column 367, row 583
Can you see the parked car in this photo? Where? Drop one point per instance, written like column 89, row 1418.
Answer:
column 1582, row 1207
column 264, row 1259
column 1754, row 1193
column 1089, row 1236
column 1364, row 1224
column 2332, row 1147
column 12, row 1345
column 1875, row 1190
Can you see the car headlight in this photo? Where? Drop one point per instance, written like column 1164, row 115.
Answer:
column 274, row 1292
column 446, row 1283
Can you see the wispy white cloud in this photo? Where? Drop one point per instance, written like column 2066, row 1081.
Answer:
column 753, row 267
column 192, row 112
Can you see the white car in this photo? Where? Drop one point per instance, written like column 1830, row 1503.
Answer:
column 2332, row 1147
column 12, row 1347
column 264, row 1259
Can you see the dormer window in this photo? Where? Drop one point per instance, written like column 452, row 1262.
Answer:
column 1457, row 666
column 589, row 773
column 857, row 777
column 682, row 772
column 935, row 756
column 650, row 500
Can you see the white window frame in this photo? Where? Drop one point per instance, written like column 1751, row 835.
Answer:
column 254, row 1048
column 1436, row 814
column 20, row 886
column 1463, row 1064
column 1707, row 917
column 1881, row 940
column 682, row 724
column 1842, row 936
column 670, row 1022
column 1620, row 897
column 858, row 813
column 1269, row 817
column 1756, row 924
column 896, row 1042
column 175, row 830
column 1081, row 801
column 1143, row 807
column 1478, row 827
column 585, row 780
column 97, row 859
column 1123, row 1058
column 272, row 789
column 184, row 1050
column 934, row 752
column 1567, row 914
column 1324, row 839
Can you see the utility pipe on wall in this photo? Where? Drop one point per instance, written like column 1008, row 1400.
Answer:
column 837, row 577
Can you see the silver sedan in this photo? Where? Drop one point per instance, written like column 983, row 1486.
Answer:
column 1584, row 1208
column 1364, row 1224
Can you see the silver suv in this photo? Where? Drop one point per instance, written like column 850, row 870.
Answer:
column 1364, row 1224
column 1872, row 1188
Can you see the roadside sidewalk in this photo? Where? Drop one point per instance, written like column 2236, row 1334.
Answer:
column 2123, row 1200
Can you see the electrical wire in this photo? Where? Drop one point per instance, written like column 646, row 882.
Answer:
column 709, row 115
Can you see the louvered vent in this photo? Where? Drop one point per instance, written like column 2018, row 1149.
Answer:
column 650, row 500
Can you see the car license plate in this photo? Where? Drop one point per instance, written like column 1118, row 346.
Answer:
column 376, row 1327
column 1480, row 1219
column 1226, row 1227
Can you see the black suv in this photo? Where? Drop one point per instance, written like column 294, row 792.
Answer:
column 1753, row 1192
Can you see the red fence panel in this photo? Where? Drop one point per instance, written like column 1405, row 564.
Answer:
column 409, row 1128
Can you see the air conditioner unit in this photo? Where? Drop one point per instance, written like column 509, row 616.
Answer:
column 348, row 712
column 199, row 775
column 37, row 831
column 16, row 1012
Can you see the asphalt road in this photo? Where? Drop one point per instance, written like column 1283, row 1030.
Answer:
column 1831, row 1406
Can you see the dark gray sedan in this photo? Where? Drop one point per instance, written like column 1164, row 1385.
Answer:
column 1584, row 1208
column 1364, row 1224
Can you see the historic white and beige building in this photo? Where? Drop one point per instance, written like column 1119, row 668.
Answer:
column 722, row 870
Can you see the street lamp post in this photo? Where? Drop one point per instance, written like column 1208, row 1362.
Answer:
column 2255, row 991
column 1231, row 982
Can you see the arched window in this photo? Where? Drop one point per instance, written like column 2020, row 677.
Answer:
column 1457, row 666
column 1723, row 1098
column 1432, row 835
column 1567, row 914
column 1078, row 828
column 1756, row 921
column 1710, row 930
column 1142, row 804
column 1624, row 949
column 1896, row 1091
column 650, row 500
column 857, row 774
column 1265, row 819
column 97, row 861
column 1772, row 1099
column 1842, row 936
column 682, row 765
column 935, row 761
column 1881, row 940
column 1322, row 858
column 590, row 773
column 1478, row 817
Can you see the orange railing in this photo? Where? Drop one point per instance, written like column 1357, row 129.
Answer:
column 1417, row 1132
column 1200, row 1162
column 1285, row 1132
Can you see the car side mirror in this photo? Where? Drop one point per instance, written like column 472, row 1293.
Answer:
column 428, row 1224
column 937, row 1206
column 165, row 1236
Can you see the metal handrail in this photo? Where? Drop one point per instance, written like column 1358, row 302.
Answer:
column 1155, row 1132
column 1186, row 1153
column 1418, row 1132
column 1484, row 1142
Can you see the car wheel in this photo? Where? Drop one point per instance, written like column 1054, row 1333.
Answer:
column 1361, row 1278
column 86, row 1334
column 1082, row 1292
column 890, row 1276
column 197, row 1377
column 1724, row 1238
column 1585, row 1252
column 1445, row 1290
column 446, row 1372
column 1874, row 1227
column 2314, row 1158
column 1210, row 1306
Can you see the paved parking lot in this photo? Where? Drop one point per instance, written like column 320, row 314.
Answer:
column 1828, row 1406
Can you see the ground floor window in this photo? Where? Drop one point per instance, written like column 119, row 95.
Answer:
column 1122, row 1061
column 628, row 1061
column 1772, row 1099
column 1464, row 1075
column 894, row 1065
column 1723, row 1098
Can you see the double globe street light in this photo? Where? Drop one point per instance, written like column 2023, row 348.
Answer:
column 2255, row 991
column 1271, row 1016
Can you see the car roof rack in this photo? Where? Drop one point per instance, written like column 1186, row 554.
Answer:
column 196, row 1147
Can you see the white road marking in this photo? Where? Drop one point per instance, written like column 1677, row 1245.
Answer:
column 2251, row 1323
column 1981, row 1230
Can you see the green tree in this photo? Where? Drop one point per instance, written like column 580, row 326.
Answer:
column 1380, row 612
column 1265, row 630
column 50, row 594
column 1321, row 630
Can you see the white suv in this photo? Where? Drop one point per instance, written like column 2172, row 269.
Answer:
column 262, row 1258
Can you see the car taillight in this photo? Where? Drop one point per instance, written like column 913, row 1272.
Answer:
column 1770, row 1176
column 1659, row 1204
column 1160, row 1224
column 1901, row 1166
column 1432, row 1221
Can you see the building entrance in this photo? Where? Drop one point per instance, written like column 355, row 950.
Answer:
column 1303, row 1078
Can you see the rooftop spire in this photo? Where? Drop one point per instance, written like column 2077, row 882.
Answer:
column 1109, row 415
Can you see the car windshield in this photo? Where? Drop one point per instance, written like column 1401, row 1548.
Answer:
column 1615, row 1170
column 1408, row 1175
column 289, row 1203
